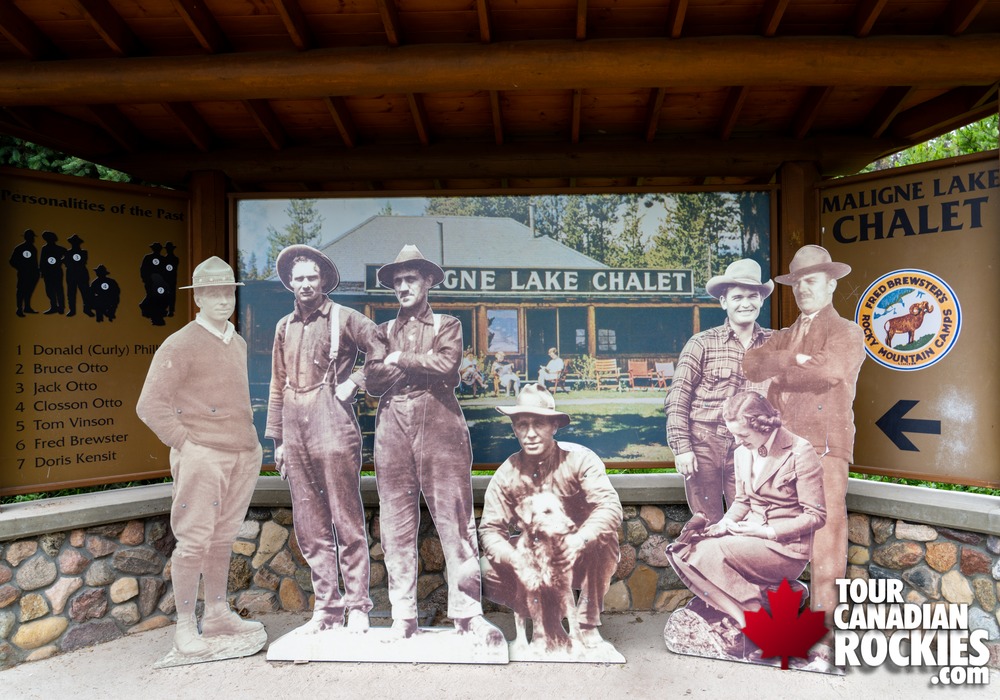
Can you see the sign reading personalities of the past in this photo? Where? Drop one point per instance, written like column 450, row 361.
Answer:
column 924, row 249
column 503, row 280
column 88, row 296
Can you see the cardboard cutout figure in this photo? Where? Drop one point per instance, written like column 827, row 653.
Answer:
column 317, row 439
column 549, row 528
column 196, row 399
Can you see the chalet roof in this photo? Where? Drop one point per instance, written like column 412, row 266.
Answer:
column 468, row 241
column 516, row 95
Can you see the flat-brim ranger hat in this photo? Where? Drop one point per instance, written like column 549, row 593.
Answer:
column 327, row 270
column 742, row 273
column 536, row 400
column 410, row 256
column 214, row 272
column 809, row 259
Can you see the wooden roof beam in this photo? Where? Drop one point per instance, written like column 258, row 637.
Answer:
column 390, row 21
column 419, row 114
column 809, row 110
column 771, row 16
column 675, row 18
column 110, row 26
column 24, row 34
column 731, row 111
column 581, row 20
column 191, row 124
column 961, row 13
column 497, row 113
column 342, row 119
column 268, row 122
column 117, row 126
column 937, row 116
column 654, row 107
column 971, row 59
column 58, row 131
column 865, row 16
column 485, row 21
column 885, row 110
column 202, row 24
column 575, row 120
column 295, row 23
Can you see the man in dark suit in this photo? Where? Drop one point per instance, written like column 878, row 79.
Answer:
column 24, row 259
column 814, row 367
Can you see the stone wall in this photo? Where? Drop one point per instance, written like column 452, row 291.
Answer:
column 66, row 590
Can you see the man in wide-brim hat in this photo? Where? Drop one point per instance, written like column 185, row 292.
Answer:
column 24, row 259
column 577, row 477
column 813, row 368
column 196, row 399
column 709, row 371
column 317, row 440
column 77, row 276
column 422, row 446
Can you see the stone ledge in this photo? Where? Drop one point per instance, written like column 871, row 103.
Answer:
column 964, row 511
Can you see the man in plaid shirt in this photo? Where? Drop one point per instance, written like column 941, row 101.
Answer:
column 709, row 371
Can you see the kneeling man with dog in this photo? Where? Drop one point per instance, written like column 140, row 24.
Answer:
column 550, row 527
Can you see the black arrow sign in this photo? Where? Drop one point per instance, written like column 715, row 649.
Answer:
column 893, row 424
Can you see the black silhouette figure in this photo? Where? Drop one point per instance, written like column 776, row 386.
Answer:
column 154, row 306
column 77, row 276
column 170, row 263
column 51, row 268
column 151, row 264
column 104, row 295
column 24, row 259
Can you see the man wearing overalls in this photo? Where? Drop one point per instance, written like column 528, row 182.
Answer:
column 317, row 440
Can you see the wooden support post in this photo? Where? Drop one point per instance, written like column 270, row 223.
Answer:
column 209, row 217
column 592, row 330
column 798, row 225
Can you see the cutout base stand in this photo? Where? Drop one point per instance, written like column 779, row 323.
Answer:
column 230, row 646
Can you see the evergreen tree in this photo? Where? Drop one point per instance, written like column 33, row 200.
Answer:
column 304, row 226
column 700, row 232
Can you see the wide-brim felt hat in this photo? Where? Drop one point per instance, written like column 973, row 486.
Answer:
column 327, row 270
column 49, row 236
column 536, row 400
column 410, row 256
column 74, row 239
column 742, row 273
column 101, row 270
column 213, row 272
column 809, row 259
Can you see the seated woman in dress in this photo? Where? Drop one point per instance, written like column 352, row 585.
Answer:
column 470, row 375
column 504, row 376
column 766, row 535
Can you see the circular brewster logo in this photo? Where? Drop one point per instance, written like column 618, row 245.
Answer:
column 911, row 319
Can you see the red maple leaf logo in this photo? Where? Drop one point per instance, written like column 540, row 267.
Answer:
column 784, row 632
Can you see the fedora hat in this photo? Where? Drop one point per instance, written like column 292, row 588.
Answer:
column 327, row 270
column 74, row 239
column 213, row 272
column 410, row 256
column 809, row 259
column 743, row 273
column 537, row 400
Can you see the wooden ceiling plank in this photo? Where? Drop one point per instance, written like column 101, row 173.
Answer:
column 390, row 21
column 59, row 131
column 497, row 113
column 118, row 126
column 110, row 26
column 485, row 21
column 24, row 34
column 575, row 121
column 809, row 109
column 191, row 123
column 419, row 113
column 971, row 59
column 865, row 16
column 655, row 106
column 581, row 20
column 888, row 106
column 342, row 119
column 295, row 23
column 675, row 18
column 731, row 111
column 202, row 24
column 961, row 13
column 268, row 122
column 771, row 16
column 939, row 116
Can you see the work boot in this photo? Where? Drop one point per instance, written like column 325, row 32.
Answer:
column 402, row 629
column 357, row 621
column 480, row 628
column 224, row 622
column 187, row 641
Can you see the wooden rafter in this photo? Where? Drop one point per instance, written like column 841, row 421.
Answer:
column 268, row 122
column 24, row 34
column 675, row 18
column 575, row 120
column 202, row 24
column 191, row 124
column 419, row 114
column 56, row 130
column 888, row 106
column 485, row 21
column 970, row 59
column 938, row 116
column 117, row 126
column 581, row 20
column 653, row 109
column 731, row 111
column 865, row 16
column 390, row 21
column 295, row 23
column 110, row 26
column 343, row 120
column 497, row 114
column 809, row 109
column 771, row 16
column 961, row 14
